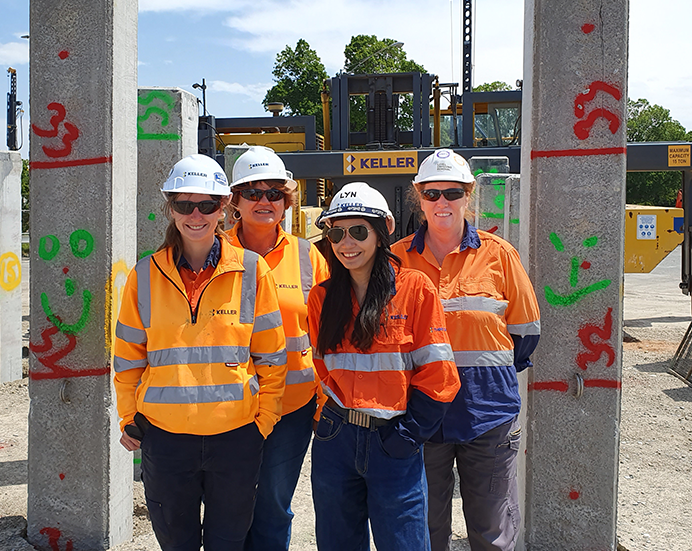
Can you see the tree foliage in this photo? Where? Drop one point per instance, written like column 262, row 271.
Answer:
column 496, row 86
column 298, row 74
column 653, row 123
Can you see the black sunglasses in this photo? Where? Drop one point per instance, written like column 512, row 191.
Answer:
column 188, row 207
column 337, row 234
column 272, row 195
column 450, row 194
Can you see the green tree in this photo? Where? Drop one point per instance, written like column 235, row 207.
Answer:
column 25, row 195
column 496, row 86
column 653, row 123
column 298, row 75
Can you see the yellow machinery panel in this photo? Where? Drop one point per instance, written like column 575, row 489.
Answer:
column 308, row 229
column 651, row 233
column 279, row 141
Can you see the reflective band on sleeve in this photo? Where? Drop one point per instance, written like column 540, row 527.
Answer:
column 130, row 334
column 248, row 290
column 305, row 267
column 297, row 344
column 306, row 375
column 194, row 394
column 483, row 358
column 379, row 361
column 254, row 385
column 198, row 355
column 478, row 304
column 143, row 269
column 121, row 364
column 439, row 352
column 272, row 320
column 523, row 329
column 274, row 358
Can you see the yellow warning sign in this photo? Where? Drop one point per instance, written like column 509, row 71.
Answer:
column 380, row 162
column 679, row 155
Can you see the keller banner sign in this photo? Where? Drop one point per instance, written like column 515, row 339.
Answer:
column 380, row 162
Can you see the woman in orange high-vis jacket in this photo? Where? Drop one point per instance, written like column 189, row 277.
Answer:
column 262, row 191
column 386, row 365
column 200, row 368
column 493, row 322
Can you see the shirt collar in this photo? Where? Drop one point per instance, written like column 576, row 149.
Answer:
column 469, row 239
column 212, row 258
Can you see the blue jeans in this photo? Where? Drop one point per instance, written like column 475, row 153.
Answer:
column 284, row 451
column 354, row 478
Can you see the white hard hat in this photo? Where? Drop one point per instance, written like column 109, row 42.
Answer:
column 261, row 163
column 444, row 166
column 197, row 174
column 357, row 199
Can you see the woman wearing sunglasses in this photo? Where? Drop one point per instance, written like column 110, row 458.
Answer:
column 384, row 359
column 262, row 191
column 493, row 322
column 200, row 368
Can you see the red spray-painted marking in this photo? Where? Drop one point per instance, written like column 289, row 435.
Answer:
column 493, row 229
column 602, row 383
column 587, row 28
column 582, row 129
column 55, row 120
column 574, row 495
column 596, row 350
column 54, row 537
column 594, row 87
column 65, row 270
column 579, row 152
column 64, row 54
column 586, row 265
column 560, row 386
column 38, row 165
column 62, row 476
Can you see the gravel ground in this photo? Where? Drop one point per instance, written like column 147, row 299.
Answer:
column 655, row 489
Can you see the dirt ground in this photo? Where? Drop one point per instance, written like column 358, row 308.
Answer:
column 655, row 486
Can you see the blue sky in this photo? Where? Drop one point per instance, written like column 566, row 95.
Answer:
column 233, row 44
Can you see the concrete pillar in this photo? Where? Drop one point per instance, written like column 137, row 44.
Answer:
column 573, row 190
column 496, row 205
column 167, row 120
column 10, row 266
column 83, row 239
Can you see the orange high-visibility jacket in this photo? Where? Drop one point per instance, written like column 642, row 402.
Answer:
column 208, row 371
column 297, row 266
column 411, row 353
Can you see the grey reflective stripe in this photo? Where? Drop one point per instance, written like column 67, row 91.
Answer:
column 198, row 355
column 306, row 375
column 254, row 385
column 273, row 358
column 204, row 394
column 272, row 320
column 305, row 267
column 439, row 352
column 381, row 413
column 483, row 358
column 121, row 364
column 297, row 344
column 478, row 304
column 248, row 289
column 379, row 361
column 315, row 355
column 143, row 269
column 523, row 329
column 130, row 334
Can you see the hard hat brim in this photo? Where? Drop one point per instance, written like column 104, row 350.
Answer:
column 197, row 189
column 441, row 178
column 288, row 182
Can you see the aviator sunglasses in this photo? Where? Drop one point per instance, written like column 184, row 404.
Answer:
column 188, row 207
column 337, row 234
column 272, row 195
column 450, row 194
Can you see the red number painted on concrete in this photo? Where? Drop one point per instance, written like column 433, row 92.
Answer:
column 582, row 128
column 596, row 350
column 71, row 135
column 54, row 536
column 594, row 87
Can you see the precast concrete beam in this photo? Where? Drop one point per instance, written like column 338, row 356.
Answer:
column 572, row 210
column 495, row 205
column 83, row 162
column 10, row 266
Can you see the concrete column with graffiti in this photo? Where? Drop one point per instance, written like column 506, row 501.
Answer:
column 572, row 205
column 10, row 266
column 167, row 121
column 83, row 163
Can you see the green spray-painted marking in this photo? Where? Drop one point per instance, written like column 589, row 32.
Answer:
column 491, row 170
column 77, row 238
column 567, row 300
column 574, row 274
column 591, row 241
column 74, row 328
column 557, row 243
column 69, row 287
column 500, row 201
column 43, row 252
column 136, row 460
column 145, row 253
column 151, row 216
column 166, row 98
column 498, row 215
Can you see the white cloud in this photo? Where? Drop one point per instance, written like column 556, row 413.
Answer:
column 253, row 91
column 141, row 63
column 198, row 6
column 14, row 53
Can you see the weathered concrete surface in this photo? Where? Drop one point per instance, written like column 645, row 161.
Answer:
column 83, row 240
column 167, row 120
column 496, row 205
column 10, row 266
column 573, row 186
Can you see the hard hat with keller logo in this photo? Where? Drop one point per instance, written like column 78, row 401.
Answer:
column 357, row 199
column 444, row 166
column 197, row 174
column 261, row 163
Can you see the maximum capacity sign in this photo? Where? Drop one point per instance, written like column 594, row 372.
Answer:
column 679, row 155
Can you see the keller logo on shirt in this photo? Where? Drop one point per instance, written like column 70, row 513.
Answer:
column 215, row 312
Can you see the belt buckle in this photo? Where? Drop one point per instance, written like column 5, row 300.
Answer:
column 359, row 418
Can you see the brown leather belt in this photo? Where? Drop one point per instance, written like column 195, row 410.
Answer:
column 356, row 417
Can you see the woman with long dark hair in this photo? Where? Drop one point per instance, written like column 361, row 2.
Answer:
column 385, row 363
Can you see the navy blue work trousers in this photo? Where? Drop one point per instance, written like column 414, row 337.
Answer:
column 181, row 470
